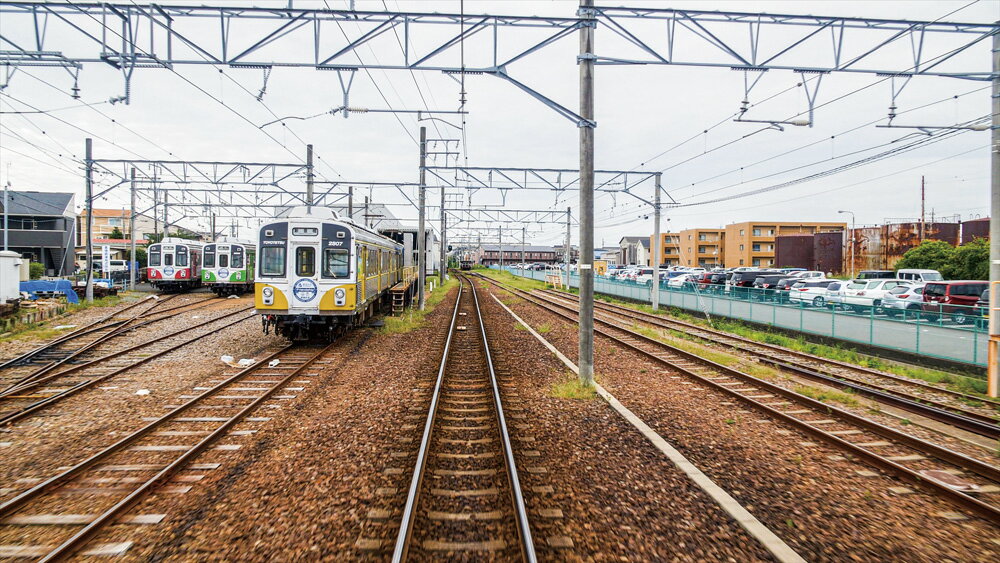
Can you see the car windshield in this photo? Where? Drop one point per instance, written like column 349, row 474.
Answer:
column 897, row 290
column 933, row 276
column 833, row 286
column 857, row 285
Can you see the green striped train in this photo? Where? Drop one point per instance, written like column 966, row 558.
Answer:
column 228, row 266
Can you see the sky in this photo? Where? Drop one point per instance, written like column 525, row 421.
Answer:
column 677, row 120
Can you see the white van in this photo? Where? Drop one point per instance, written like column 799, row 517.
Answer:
column 919, row 275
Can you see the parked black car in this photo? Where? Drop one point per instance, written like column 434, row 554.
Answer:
column 766, row 286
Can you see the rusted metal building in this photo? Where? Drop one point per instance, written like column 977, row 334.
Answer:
column 820, row 251
column 880, row 247
column 976, row 228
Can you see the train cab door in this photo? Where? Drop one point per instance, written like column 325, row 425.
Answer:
column 305, row 277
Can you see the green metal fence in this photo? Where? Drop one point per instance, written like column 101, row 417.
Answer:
column 934, row 334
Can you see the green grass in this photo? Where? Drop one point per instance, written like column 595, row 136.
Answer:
column 41, row 330
column 543, row 328
column 511, row 280
column 413, row 318
column 827, row 396
column 573, row 389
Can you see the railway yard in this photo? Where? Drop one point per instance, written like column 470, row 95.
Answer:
column 139, row 434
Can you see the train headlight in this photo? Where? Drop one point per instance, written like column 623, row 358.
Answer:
column 268, row 294
column 339, row 294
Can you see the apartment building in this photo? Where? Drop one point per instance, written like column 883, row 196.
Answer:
column 702, row 247
column 752, row 243
column 107, row 220
column 669, row 249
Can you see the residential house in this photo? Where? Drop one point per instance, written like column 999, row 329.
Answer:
column 41, row 226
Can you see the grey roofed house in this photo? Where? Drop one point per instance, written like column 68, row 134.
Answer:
column 41, row 228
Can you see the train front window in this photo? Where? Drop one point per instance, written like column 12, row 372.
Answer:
column 336, row 263
column 237, row 259
column 154, row 255
column 182, row 256
column 272, row 261
column 209, row 257
column 223, row 261
column 305, row 261
column 168, row 259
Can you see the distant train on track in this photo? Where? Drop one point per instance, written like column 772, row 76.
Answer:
column 229, row 266
column 318, row 274
column 174, row 264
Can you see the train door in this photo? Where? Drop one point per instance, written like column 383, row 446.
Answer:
column 305, row 286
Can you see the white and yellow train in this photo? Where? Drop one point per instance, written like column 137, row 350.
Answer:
column 318, row 274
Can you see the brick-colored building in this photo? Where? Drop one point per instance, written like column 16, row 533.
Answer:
column 702, row 247
column 669, row 253
column 751, row 243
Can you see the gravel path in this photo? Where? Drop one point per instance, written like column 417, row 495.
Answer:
column 809, row 494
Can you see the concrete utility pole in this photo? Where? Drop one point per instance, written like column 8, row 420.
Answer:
column 566, row 255
column 350, row 202
column 89, row 162
column 133, row 266
column 166, row 204
column 523, row 236
column 922, row 201
column 421, row 235
column 654, row 284
column 309, row 175
column 444, row 239
column 586, row 262
column 993, row 357
column 501, row 248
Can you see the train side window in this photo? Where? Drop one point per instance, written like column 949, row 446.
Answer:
column 154, row 255
column 272, row 261
column 336, row 263
column 209, row 257
column 305, row 261
column 223, row 261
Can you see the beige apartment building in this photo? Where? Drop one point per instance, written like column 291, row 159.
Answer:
column 702, row 247
column 669, row 250
column 752, row 243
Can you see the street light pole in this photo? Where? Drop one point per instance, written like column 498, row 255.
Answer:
column 851, row 240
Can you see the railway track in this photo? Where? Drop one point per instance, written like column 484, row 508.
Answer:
column 464, row 500
column 63, row 513
column 967, row 482
column 968, row 412
column 74, row 347
column 31, row 396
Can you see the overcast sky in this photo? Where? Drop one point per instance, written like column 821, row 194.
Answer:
column 677, row 120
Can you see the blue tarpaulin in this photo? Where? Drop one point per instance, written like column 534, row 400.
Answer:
column 50, row 286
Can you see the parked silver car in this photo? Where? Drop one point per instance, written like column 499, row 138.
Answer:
column 835, row 294
column 903, row 298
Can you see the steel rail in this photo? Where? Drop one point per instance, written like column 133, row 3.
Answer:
column 796, row 353
column 402, row 545
column 77, row 540
column 16, row 415
column 122, row 328
column 524, row 529
column 958, row 417
column 84, row 330
column 988, row 511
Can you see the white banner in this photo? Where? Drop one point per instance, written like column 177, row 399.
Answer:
column 105, row 258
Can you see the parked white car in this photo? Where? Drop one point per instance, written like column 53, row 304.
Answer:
column 808, row 274
column 809, row 292
column 677, row 282
column 835, row 293
column 644, row 276
column 916, row 275
column 904, row 298
column 862, row 294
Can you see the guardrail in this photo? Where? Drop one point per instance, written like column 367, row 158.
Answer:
column 932, row 333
